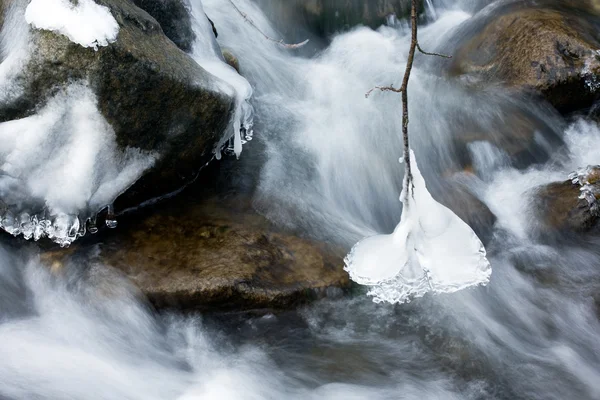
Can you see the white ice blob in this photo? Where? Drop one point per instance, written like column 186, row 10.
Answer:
column 207, row 53
column 431, row 250
column 85, row 23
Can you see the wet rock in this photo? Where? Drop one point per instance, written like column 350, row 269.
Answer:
column 155, row 97
column 546, row 48
column 522, row 138
column 218, row 254
column 325, row 17
column 469, row 208
column 570, row 206
column 174, row 18
column 231, row 59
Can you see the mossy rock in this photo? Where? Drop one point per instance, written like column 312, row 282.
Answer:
column 547, row 48
column 327, row 17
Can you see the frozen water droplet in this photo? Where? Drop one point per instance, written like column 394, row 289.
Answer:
column 111, row 220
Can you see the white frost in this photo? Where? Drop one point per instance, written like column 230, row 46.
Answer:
column 87, row 23
column 431, row 250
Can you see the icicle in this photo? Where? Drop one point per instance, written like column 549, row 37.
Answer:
column 111, row 220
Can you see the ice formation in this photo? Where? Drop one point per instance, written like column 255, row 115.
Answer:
column 587, row 178
column 207, row 53
column 85, row 23
column 61, row 166
column 431, row 250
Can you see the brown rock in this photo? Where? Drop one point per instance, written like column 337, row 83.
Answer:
column 231, row 59
column 212, row 255
column 468, row 208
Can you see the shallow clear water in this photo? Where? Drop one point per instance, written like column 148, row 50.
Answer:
column 324, row 161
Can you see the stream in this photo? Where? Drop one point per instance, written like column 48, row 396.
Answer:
column 323, row 161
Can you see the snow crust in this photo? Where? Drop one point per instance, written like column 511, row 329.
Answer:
column 431, row 250
column 85, row 23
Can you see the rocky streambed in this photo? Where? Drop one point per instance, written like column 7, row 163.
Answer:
column 203, row 249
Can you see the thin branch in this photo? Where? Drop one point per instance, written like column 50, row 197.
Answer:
column 414, row 45
column 390, row 88
column 279, row 42
column 431, row 54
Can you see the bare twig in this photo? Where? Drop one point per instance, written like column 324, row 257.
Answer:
column 431, row 54
column 279, row 42
column 390, row 88
column 414, row 45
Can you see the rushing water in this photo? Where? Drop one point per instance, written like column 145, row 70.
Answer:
column 324, row 160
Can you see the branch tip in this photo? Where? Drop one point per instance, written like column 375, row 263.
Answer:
column 431, row 54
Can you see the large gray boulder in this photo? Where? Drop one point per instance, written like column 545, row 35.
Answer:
column 154, row 96
column 538, row 47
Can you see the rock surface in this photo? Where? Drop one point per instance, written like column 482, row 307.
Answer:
column 326, row 17
column 174, row 18
column 231, row 60
column 155, row 97
column 512, row 131
column 564, row 209
column 218, row 254
column 546, row 47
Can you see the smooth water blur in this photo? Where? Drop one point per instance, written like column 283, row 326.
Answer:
column 325, row 160
column 330, row 154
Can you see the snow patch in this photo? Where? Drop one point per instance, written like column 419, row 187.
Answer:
column 431, row 250
column 85, row 23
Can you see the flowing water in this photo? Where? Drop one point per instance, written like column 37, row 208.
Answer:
column 324, row 161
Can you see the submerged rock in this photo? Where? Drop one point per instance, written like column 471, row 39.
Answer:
column 214, row 255
column 155, row 97
column 174, row 18
column 545, row 48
